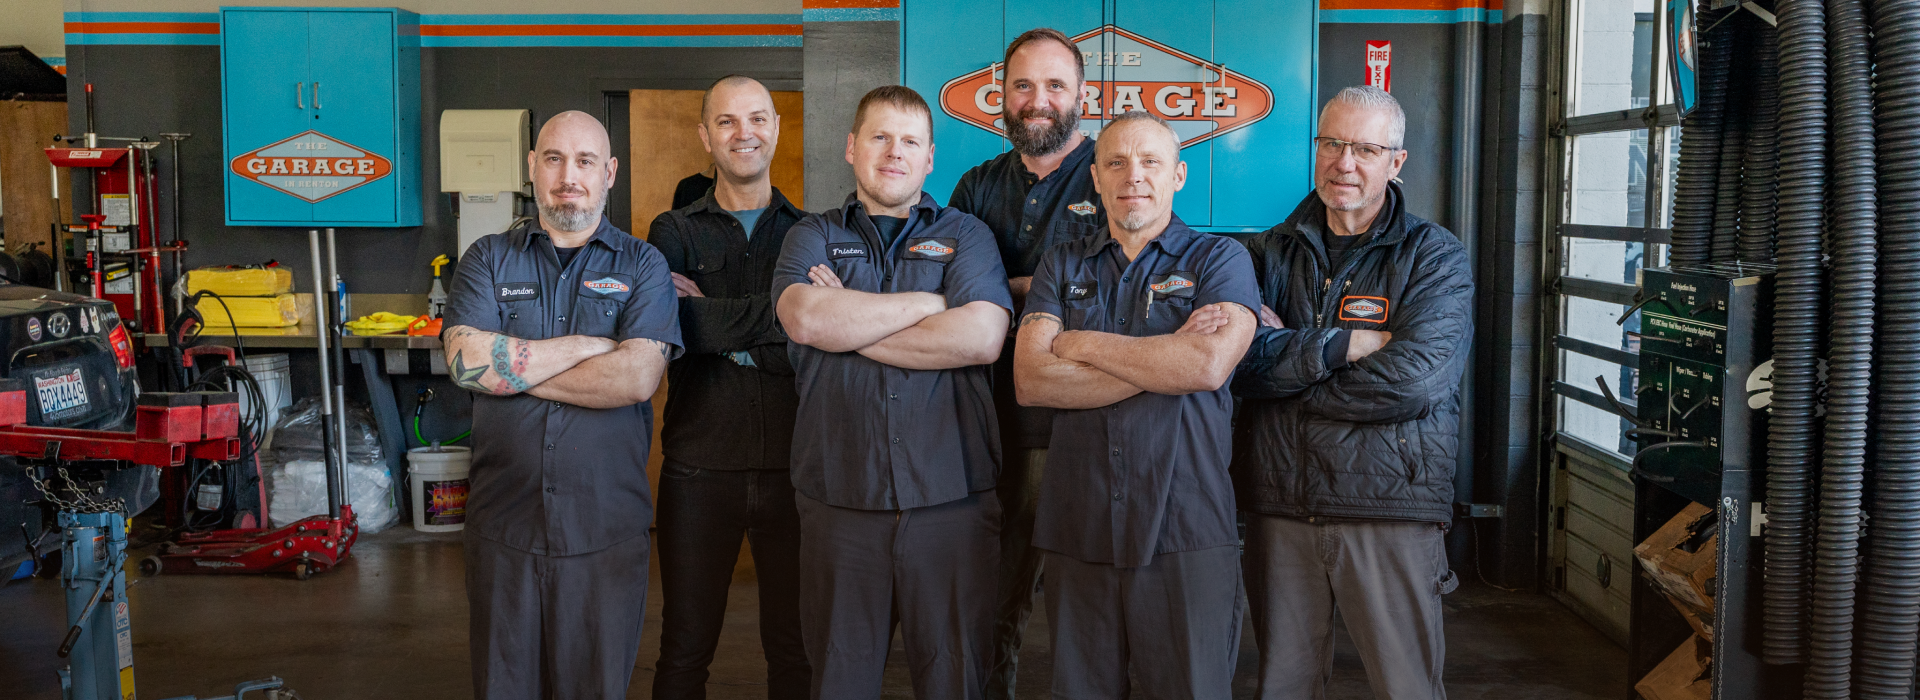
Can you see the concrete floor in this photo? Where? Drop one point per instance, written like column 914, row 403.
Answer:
column 392, row 623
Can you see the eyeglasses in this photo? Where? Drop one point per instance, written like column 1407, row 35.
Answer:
column 1331, row 148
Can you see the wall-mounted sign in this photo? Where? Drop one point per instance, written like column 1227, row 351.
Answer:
column 311, row 166
column 1380, row 64
column 1126, row 71
column 1682, row 53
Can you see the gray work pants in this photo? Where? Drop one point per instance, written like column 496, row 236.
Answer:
column 1174, row 623
column 931, row 570
column 1020, row 565
column 1384, row 578
column 554, row 627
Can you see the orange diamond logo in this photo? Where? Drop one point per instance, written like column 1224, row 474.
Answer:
column 312, row 166
column 1199, row 98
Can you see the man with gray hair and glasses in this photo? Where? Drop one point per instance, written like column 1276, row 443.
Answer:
column 1344, row 452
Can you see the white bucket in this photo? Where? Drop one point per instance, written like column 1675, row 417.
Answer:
column 275, row 375
column 439, row 487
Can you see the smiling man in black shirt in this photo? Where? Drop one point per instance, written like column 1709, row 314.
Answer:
column 730, row 407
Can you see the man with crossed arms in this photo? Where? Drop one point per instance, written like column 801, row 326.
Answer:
column 1131, row 334
column 895, row 308
column 561, row 327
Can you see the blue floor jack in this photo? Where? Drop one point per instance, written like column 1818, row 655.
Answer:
column 169, row 427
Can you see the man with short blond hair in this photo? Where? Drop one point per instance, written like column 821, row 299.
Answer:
column 1037, row 194
column 1345, row 448
column 1131, row 335
column 895, row 307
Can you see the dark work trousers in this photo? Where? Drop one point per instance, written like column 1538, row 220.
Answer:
column 1385, row 579
column 1020, row 565
column 930, row 570
column 1178, row 617
column 703, row 513
column 554, row 628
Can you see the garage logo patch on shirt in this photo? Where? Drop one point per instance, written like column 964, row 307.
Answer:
column 516, row 291
column 1178, row 283
column 836, row 251
column 1369, row 309
column 605, row 285
column 1085, row 208
column 1076, row 291
column 940, row 249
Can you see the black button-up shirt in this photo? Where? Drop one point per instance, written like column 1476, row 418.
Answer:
column 877, row 437
column 721, row 414
column 548, row 477
column 1029, row 214
column 1147, row 475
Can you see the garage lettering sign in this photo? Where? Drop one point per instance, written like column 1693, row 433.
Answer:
column 1126, row 71
column 312, row 166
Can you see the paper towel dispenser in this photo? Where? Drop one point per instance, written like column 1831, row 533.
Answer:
column 483, row 150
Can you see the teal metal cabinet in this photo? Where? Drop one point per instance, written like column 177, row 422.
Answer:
column 321, row 108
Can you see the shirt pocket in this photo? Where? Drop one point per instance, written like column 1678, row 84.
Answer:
column 521, row 319
column 1083, row 314
column 708, row 258
column 595, row 317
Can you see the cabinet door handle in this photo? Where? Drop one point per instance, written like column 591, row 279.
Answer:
column 299, row 95
column 316, row 94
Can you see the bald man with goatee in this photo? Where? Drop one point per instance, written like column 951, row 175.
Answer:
column 561, row 327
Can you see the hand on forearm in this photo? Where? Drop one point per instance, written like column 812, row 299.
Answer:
column 1363, row 343
column 1200, row 356
column 828, row 317
column 502, row 365
column 961, row 337
column 624, row 377
column 1041, row 378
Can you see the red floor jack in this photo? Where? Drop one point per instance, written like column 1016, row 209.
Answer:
column 311, row 545
column 168, row 429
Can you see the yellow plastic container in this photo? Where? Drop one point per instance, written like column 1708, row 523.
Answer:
column 241, row 281
column 277, row 311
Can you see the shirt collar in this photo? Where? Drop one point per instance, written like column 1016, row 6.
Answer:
column 852, row 207
column 710, row 204
column 1310, row 218
column 1076, row 160
column 1174, row 241
column 604, row 235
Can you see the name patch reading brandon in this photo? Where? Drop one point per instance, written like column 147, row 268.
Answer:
column 1369, row 309
column 1178, row 283
column 516, row 291
column 938, row 249
column 836, row 251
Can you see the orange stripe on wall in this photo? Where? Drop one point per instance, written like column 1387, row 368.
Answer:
column 609, row 29
column 143, row 27
column 840, row 4
column 1446, row 5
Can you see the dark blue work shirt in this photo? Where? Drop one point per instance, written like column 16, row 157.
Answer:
column 1147, row 475
column 1029, row 214
column 876, row 437
column 549, row 477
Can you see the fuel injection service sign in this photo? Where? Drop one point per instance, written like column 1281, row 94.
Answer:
column 312, row 166
column 1126, row 71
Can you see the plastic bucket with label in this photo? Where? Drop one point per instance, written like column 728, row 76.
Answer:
column 439, row 487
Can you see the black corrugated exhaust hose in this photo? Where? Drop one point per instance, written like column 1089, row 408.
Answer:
column 1796, row 328
column 1698, row 178
column 1836, row 571
column 1889, row 617
column 1763, row 140
column 1731, row 36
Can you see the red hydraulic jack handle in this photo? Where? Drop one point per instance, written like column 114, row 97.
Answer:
column 93, row 252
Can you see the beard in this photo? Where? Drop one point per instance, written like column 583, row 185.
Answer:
column 1363, row 201
column 1039, row 142
column 574, row 217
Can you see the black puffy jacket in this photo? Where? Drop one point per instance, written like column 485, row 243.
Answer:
column 1376, row 439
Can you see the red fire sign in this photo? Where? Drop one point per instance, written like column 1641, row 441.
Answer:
column 312, row 166
column 1380, row 64
column 1199, row 98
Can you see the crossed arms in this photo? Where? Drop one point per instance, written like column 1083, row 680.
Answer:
column 1089, row 369
column 909, row 330
column 586, row 371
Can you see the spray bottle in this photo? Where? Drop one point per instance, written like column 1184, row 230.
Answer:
column 437, row 297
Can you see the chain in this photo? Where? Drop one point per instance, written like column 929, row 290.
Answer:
column 83, row 501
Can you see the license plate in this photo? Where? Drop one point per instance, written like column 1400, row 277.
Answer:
column 61, row 392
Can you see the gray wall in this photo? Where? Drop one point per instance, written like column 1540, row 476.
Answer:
column 146, row 90
column 843, row 61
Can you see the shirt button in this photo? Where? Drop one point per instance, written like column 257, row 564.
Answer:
column 1116, row 496
column 563, row 276
column 896, row 441
column 609, row 312
column 513, row 315
column 549, row 489
column 1128, row 278
column 549, row 445
column 556, row 404
column 563, row 318
column 1123, row 322
column 1033, row 201
column 1116, row 450
column 1029, row 227
column 895, row 396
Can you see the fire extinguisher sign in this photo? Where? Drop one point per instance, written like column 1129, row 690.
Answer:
column 1380, row 64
